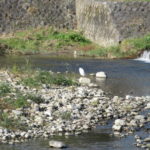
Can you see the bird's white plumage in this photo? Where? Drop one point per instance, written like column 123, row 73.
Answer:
column 81, row 71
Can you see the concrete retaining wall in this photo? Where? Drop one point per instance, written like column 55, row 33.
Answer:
column 108, row 23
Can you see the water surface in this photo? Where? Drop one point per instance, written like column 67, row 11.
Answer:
column 124, row 76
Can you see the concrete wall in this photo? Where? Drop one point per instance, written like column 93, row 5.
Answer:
column 22, row 14
column 108, row 23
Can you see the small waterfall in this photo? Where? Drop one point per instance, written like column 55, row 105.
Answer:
column 144, row 57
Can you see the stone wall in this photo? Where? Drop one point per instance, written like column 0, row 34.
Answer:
column 108, row 23
column 22, row 14
column 105, row 23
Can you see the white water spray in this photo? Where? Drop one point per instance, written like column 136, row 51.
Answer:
column 144, row 57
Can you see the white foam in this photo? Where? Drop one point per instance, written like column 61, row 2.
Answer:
column 144, row 57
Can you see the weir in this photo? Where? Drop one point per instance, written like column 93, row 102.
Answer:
column 145, row 56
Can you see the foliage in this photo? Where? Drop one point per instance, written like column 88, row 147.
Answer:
column 10, row 123
column 44, row 77
column 128, row 48
column 17, row 102
column 66, row 115
column 4, row 89
column 35, row 98
column 43, row 39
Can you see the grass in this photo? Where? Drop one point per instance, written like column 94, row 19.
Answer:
column 4, row 89
column 43, row 40
column 10, row 123
column 44, row 77
column 47, row 39
column 128, row 48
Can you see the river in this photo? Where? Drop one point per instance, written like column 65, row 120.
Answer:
column 124, row 77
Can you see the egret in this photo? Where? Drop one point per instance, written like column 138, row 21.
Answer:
column 81, row 71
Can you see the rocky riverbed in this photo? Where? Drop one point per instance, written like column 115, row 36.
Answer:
column 70, row 111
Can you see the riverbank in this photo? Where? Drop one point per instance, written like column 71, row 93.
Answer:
column 49, row 40
column 41, row 108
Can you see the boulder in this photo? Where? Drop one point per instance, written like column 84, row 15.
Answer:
column 84, row 80
column 140, row 118
column 101, row 75
column 57, row 144
column 147, row 139
column 148, row 106
column 116, row 128
column 119, row 122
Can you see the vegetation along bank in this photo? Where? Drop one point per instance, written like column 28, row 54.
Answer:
column 50, row 40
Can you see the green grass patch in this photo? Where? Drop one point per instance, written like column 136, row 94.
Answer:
column 10, row 123
column 43, row 39
column 44, row 77
column 4, row 89
column 128, row 48
column 16, row 102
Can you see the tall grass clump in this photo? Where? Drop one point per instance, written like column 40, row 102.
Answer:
column 11, row 123
column 44, row 77
column 4, row 89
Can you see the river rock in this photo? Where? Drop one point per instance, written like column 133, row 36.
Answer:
column 17, row 112
column 148, row 106
column 57, row 144
column 147, row 139
column 84, row 80
column 119, row 122
column 140, row 118
column 117, row 128
column 101, row 75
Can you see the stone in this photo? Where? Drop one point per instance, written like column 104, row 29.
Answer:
column 147, row 139
column 140, row 118
column 148, row 106
column 119, row 122
column 101, row 75
column 17, row 112
column 117, row 128
column 84, row 80
column 57, row 144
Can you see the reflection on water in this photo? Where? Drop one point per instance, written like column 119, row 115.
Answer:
column 124, row 76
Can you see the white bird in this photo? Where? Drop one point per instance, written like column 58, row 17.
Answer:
column 81, row 71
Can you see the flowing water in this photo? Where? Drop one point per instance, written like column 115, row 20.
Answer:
column 145, row 56
column 124, row 77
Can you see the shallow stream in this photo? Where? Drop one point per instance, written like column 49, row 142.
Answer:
column 124, row 77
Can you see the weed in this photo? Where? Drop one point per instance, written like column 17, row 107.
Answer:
column 4, row 89
column 44, row 77
column 34, row 98
column 36, row 40
column 66, row 115
column 10, row 123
